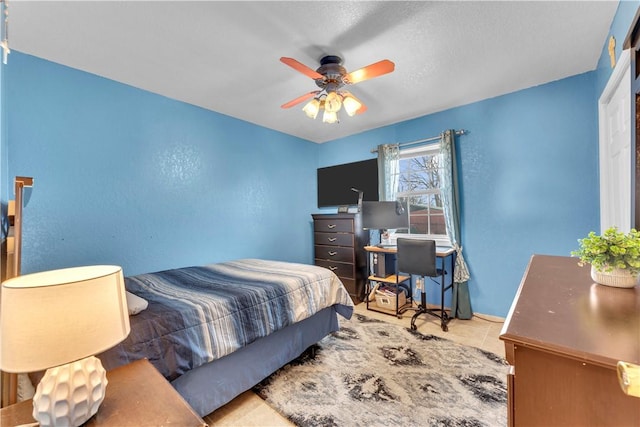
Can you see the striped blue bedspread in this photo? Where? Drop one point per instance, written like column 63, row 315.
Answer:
column 223, row 307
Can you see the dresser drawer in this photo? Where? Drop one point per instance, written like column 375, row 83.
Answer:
column 341, row 269
column 333, row 225
column 339, row 241
column 335, row 253
column 334, row 239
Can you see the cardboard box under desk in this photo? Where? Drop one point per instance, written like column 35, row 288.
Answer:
column 387, row 299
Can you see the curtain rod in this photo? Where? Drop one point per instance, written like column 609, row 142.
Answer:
column 433, row 138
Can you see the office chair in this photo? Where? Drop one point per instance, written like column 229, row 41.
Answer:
column 418, row 257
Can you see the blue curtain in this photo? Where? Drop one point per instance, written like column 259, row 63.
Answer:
column 388, row 171
column 388, row 175
column 460, row 301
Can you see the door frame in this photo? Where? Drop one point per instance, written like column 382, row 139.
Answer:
column 623, row 65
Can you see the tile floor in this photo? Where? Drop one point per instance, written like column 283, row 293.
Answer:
column 482, row 331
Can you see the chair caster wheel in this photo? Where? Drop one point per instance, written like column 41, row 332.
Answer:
column 445, row 328
column 413, row 327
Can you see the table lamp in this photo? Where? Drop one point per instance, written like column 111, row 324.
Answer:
column 58, row 320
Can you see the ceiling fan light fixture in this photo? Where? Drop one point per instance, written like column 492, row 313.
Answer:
column 329, row 116
column 333, row 102
column 351, row 105
column 330, row 77
column 311, row 108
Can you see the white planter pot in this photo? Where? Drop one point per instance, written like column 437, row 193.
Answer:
column 619, row 278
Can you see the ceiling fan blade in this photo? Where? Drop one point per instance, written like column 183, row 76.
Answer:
column 299, row 99
column 298, row 66
column 361, row 109
column 370, row 71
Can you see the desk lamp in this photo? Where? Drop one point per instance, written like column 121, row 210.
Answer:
column 57, row 320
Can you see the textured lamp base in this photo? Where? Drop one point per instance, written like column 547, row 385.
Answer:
column 68, row 395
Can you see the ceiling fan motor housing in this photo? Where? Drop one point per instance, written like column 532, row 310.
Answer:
column 333, row 72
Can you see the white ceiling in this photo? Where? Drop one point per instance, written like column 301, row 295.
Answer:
column 224, row 56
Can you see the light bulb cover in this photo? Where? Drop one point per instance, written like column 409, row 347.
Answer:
column 351, row 105
column 311, row 108
column 333, row 103
column 329, row 116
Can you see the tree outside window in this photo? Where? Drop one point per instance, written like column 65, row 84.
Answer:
column 419, row 186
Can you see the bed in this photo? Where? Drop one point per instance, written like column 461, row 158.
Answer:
column 215, row 331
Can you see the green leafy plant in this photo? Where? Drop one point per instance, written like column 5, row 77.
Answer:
column 613, row 249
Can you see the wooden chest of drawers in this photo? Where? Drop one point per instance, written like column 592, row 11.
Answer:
column 563, row 338
column 339, row 242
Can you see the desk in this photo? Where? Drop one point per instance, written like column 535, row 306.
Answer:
column 398, row 280
column 137, row 395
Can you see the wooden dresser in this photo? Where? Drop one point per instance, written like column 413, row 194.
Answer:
column 339, row 242
column 563, row 338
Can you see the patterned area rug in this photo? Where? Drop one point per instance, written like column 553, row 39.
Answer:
column 373, row 373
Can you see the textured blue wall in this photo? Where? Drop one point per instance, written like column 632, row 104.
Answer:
column 528, row 178
column 529, row 172
column 127, row 177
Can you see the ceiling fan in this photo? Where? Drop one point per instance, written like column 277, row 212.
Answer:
column 331, row 77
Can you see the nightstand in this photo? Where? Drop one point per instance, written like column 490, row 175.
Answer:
column 137, row 395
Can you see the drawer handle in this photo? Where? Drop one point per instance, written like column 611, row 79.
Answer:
column 331, row 226
column 332, row 253
column 332, row 268
column 332, row 239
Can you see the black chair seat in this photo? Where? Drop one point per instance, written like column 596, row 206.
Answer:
column 418, row 257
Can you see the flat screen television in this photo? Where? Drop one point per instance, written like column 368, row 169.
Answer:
column 335, row 183
column 384, row 215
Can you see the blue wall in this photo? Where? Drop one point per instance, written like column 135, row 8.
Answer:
column 529, row 172
column 127, row 177
column 529, row 178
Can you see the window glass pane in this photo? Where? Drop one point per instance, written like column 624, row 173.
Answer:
column 437, row 224
column 419, row 174
column 435, row 202
column 418, row 227
column 419, row 202
column 419, row 184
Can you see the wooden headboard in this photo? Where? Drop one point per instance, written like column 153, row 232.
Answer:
column 11, row 265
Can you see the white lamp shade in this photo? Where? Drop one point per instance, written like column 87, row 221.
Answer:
column 311, row 108
column 351, row 105
column 333, row 102
column 329, row 117
column 55, row 317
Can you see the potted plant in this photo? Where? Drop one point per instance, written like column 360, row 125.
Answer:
column 614, row 257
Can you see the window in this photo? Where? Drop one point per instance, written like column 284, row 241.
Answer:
column 419, row 186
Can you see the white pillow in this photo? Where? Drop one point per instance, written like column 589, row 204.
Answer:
column 135, row 303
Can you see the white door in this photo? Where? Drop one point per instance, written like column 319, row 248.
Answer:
column 615, row 148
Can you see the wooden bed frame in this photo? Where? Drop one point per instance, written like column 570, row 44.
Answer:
column 11, row 265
